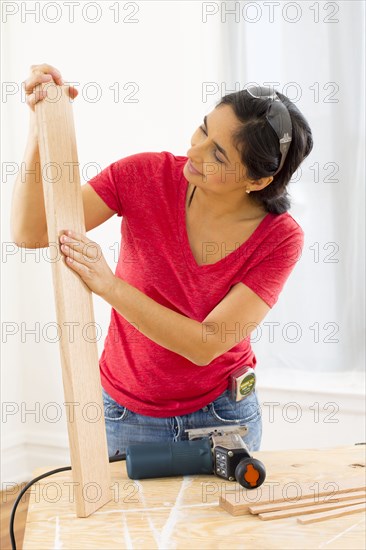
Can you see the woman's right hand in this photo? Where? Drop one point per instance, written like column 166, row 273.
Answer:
column 39, row 74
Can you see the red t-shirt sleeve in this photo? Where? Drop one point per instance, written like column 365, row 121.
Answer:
column 120, row 184
column 107, row 188
column 268, row 277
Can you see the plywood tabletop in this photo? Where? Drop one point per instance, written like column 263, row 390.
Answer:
column 184, row 512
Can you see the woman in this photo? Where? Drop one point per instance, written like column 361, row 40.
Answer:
column 207, row 246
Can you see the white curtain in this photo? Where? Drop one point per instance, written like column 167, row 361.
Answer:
column 315, row 54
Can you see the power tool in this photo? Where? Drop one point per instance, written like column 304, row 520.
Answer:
column 219, row 450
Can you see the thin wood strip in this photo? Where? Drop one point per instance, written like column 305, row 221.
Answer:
column 237, row 500
column 74, row 306
column 345, row 511
column 285, row 505
column 309, row 509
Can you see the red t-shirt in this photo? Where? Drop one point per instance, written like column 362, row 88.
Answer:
column 149, row 191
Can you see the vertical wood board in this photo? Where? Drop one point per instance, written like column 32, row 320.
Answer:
column 74, row 306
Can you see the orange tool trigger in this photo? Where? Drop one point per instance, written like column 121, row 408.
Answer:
column 251, row 475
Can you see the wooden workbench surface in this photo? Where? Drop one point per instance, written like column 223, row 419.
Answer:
column 183, row 513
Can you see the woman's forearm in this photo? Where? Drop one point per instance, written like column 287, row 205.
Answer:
column 162, row 325
column 28, row 215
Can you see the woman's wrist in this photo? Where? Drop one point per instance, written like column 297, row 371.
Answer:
column 110, row 289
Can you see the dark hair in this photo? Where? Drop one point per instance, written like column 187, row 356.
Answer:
column 259, row 147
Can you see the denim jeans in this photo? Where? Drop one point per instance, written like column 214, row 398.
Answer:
column 125, row 427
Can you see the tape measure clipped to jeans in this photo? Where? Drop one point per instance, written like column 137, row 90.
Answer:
column 242, row 383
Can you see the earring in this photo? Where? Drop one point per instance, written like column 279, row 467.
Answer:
column 247, row 190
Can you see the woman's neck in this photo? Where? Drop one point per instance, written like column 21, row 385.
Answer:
column 246, row 213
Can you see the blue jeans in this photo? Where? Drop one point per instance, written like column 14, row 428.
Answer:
column 125, row 427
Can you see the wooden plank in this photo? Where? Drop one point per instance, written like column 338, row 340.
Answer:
column 237, row 502
column 279, row 514
column 336, row 497
column 74, row 306
column 332, row 514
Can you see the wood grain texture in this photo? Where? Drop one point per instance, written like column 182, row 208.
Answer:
column 309, row 501
column 184, row 513
column 310, row 509
column 74, row 306
column 340, row 512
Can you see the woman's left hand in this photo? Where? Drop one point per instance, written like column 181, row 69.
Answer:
column 85, row 257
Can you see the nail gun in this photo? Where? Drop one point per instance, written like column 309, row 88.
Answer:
column 219, row 450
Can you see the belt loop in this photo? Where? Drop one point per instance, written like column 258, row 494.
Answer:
column 178, row 421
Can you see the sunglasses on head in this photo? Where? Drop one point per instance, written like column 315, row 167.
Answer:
column 278, row 117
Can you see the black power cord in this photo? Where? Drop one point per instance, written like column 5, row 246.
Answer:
column 115, row 458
